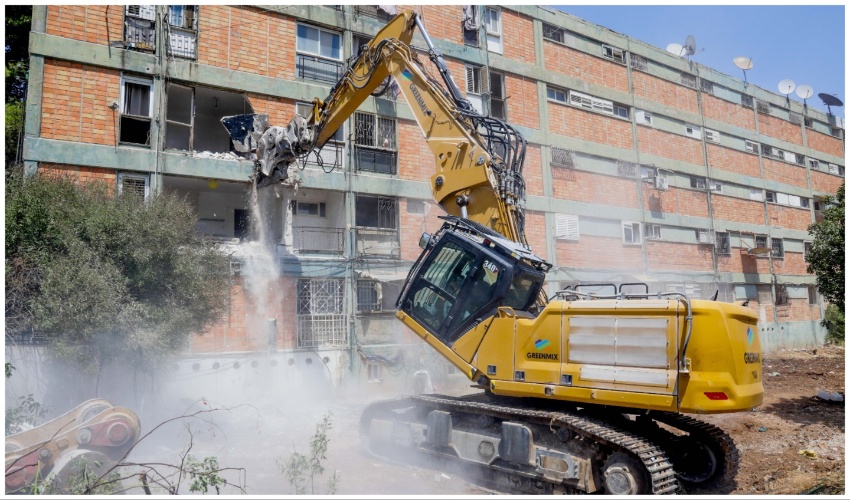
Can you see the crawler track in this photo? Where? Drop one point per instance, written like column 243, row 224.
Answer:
column 607, row 438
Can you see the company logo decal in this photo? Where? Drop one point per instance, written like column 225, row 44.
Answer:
column 407, row 74
column 750, row 335
column 541, row 344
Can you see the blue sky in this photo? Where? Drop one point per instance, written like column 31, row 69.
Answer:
column 801, row 43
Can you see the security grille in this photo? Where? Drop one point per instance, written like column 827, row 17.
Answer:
column 723, row 245
column 134, row 185
column 367, row 296
column 139, row 27
column 763, row 107
column 563, row 158
column 627, row 169
column 320, row 311
column 638, row 62
column 781, row 295
column 706, row 86
column 375, row 131
column 689, row 80
column 747, row 101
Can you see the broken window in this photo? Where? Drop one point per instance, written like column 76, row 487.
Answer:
column 761, row 242
column 781, row 295
column 331, row 155
column 136, row 110
column 376, row 296
column 638, row 62
column 376, row 212
column 179, row 115
column 318, row 55
column 133, row 185
column 376, row 143
column 182, row 30
column 470, row 25
column 320, row 313
column 616, row 54
column 554, row 33
column 140, row 27
column 498, row 108
column 689, row 80
column 193, row 118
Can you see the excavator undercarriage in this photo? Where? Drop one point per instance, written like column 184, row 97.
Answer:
column 528, row 447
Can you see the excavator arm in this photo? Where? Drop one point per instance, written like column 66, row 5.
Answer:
column 478, row 159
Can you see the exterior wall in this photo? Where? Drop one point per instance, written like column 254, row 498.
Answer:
column 667, row 256
column 280, row 111
column 791, row 263
column 587, row 125
column 579, row 185
column 522, row 105
column 87, row 23
column 676, row 201
column 785, row 173
column 734, row 209
column 415, row 162
column 536, row 232
column 412, row 225
column 80, row 174
column 75, row 102
column 599, row 252
column 789, row 217
column 673, row 146
column 728, row 112
column 577, row 64
column 516, row 27
column 780, row 129
column 665, row 92
column 826, row 183
column 825, row 143
column 731, row 160
column 533, row 171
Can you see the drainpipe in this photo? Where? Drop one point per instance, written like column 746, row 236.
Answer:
column 350, row 250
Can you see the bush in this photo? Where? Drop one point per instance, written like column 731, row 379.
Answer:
column 106, row 276
column 833, row 321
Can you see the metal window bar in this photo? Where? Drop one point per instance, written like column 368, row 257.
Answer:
column 377, row 161
column 319, row 240
column 364, row 129
column 564, row 158
column 133, row 186
column 638, row 62
column 139, row 34
column 322, row 330
column 386, row 133
column 553, row 33
column 689, row 80
column 309, row 67
column 367, row 296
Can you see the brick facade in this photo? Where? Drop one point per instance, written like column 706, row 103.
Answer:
column 599, row 252
column 580, row 123
column 665, row 92
column 668, row 256
column 577, row 64
column 826, row 183
column 730, row 160
column 825, row 143
column 588, row 187
column 780, row 129
column 728, row 112
column 737, row 210
column 675, row 201
column 789, row 217
column 673, row 146
column 786, row 173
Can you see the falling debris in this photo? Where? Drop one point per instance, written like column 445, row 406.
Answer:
column 808, row 453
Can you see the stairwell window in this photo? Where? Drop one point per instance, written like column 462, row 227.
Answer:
column 493, row 28
column 318, row 54
column 475, row 86
column 182, row 31
column 498, row 105
column 136, row 110
column 375, row 143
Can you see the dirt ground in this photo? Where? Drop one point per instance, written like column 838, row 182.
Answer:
column 790, row 421
column 794, row 441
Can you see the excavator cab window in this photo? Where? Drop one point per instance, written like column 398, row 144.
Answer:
column 458, row 282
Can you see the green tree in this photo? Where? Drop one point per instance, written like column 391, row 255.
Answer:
column 107, row 277
column 18, row 20
column 826, row 255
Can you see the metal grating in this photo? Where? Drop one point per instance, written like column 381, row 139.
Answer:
column 320, row 309
column 638, row 62
column 762, row 107
column 689, row 80
column 563, row 158
column 627, row 169
column 367, row 296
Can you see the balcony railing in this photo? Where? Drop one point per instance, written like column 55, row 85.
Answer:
column 317, row 69
column 319, row 240
column 377, row 242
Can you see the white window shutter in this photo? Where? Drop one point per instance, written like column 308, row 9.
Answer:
column 580, row 99
column 566, row 227
column 142, row 11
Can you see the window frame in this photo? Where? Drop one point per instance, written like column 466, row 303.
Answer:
column 496, row 36
column 643, row 117
column 638, row 232
column 613, row 53
column 722, row 243
column 305, row 53
column 375, row 140
column 652, row 232
column 122, row 96
column 133, row 175
column 379, row 200
column 503, row 99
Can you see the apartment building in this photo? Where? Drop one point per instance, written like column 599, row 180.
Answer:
column 642, row 166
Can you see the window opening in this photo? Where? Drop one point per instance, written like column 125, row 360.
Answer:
column 140, row 28
column 376, row 143
column 183, row 30
column 471, row 25
column 631, row 233
column 493, row 28
column 318, row 54
column 136, row 110
column 134, row 185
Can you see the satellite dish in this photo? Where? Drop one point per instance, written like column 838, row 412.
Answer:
column 744, row 63
column 787, row 86
column 677, row 49
column 830, row 100
column 804, row 91
column 691, row 45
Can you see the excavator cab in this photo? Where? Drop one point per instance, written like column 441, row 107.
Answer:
column 463, row 275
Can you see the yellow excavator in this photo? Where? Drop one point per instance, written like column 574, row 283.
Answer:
column 580, row 392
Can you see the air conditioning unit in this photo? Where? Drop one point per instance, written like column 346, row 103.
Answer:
column 662, row 183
